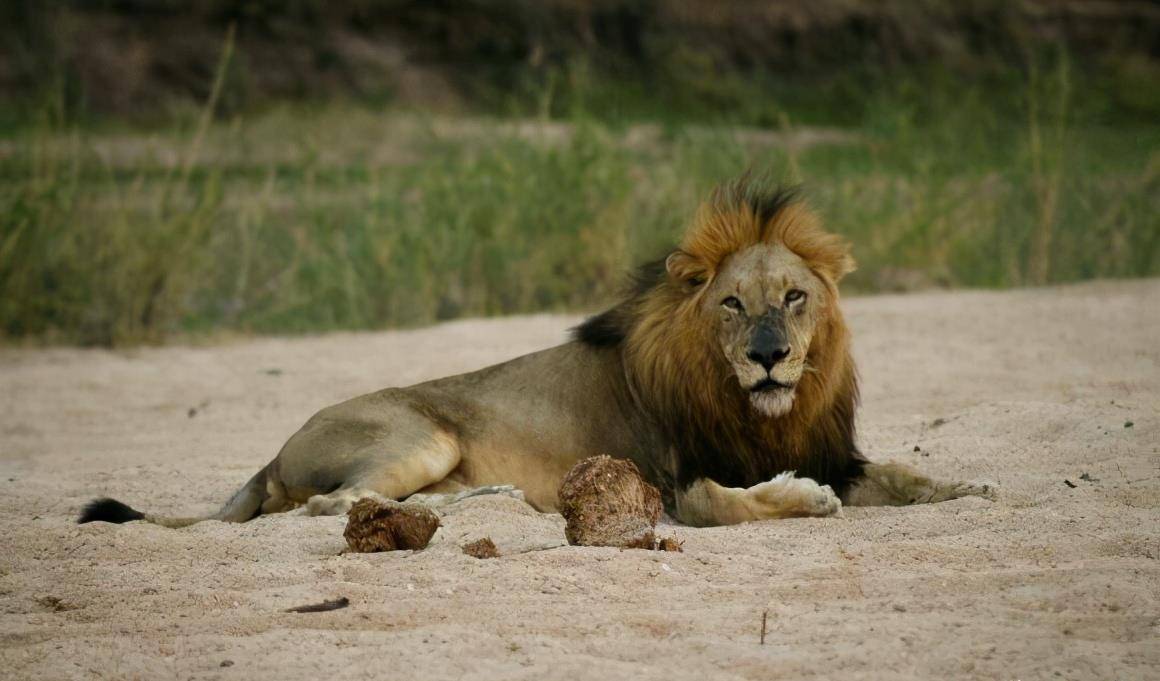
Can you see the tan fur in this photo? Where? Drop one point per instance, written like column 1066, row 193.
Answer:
column 707, row 503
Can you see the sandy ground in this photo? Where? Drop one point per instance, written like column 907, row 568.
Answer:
column 1033, row 389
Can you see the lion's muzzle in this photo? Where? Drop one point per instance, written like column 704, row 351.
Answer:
column 769, row 340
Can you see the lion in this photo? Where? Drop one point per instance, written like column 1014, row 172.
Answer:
column 724, row 374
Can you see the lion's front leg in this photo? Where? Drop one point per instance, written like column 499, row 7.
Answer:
column 705, row 503
column 896, row 484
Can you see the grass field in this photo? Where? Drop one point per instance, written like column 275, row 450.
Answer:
column 302, row 218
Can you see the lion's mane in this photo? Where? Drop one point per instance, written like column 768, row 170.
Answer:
column 676, row 372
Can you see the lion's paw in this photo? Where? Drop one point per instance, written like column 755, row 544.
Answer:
column 826, row 503
column 786, row 496
column 337, row 502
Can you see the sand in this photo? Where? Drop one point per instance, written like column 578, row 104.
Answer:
column 1053, row 393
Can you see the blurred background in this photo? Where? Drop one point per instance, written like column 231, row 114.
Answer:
column 180, row 169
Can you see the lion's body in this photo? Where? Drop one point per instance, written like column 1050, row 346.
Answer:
column 717, row 404
column 524, row 423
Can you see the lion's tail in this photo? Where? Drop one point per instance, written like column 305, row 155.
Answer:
column 244, row 505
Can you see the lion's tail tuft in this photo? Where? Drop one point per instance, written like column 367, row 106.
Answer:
column 244, row 505
column 112, row 511
column 109, row 511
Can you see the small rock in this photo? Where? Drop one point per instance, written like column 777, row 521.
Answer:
column 54, row 603
column 226, row 663
column 481, row 548
column 1128, row 424
column 917, row 448
column 194, row 411
column 606, row 502
column 375, row 525
column 899, row 608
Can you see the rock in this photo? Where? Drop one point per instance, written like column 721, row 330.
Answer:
column 375, row 525
column 606, row 502
column 481, row 548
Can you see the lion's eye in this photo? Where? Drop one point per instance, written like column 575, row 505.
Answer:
column 733, row 304
column 794, row 295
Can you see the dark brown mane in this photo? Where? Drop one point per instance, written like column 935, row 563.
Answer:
column 677, row 374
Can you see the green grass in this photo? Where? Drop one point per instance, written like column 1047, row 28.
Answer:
column 340, row 217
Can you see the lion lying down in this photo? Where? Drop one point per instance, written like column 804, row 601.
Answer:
column 726, row 369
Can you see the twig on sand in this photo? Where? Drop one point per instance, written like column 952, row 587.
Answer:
column 542, row 547
column 764, row 616
column 336, row 604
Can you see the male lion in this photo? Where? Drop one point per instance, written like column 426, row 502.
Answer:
column 724, row 371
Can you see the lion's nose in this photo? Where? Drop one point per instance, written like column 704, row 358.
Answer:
column 769, row 355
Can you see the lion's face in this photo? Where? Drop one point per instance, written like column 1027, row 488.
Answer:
column 766, row 304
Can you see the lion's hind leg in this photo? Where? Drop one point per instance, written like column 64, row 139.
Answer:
column 896, row 484
column 447, row 496
column 394, row 465
column 340, row 500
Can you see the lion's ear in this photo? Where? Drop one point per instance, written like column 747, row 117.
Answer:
column 686, row 269
column 835, row 264
column 844, row 266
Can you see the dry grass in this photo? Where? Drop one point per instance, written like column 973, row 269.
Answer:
column 343, row 217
